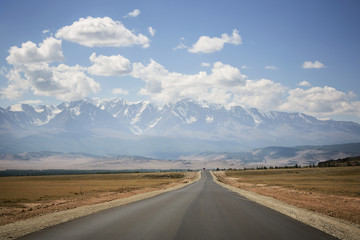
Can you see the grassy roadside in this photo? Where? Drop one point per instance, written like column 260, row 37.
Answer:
column 330, row 191
column 341, row 181
column 27, row 197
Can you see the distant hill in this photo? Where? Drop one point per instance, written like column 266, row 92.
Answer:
column 269, row 156
column 349, row 161
column 281, row 156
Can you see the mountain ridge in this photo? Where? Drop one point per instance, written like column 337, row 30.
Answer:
column 117, row 126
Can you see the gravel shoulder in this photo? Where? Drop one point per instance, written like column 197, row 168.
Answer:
column 336, row 227
column 21, row 228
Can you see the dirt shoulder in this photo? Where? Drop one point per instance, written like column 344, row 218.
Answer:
column 311, row 209
column 41, row 216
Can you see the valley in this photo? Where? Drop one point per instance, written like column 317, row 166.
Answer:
column 259, row 157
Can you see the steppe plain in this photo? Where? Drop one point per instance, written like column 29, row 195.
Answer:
column 330, row 191
column 30, row 196
column 334, row 192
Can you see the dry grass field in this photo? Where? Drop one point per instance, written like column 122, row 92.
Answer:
column 24, row 197
column 341, row 181
column 331, row 191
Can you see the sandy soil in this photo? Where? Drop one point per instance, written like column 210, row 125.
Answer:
column 338, row 216
column 17, row 222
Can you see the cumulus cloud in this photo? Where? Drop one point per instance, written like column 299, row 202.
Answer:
column 151, row 31
column 115, row 65
column 62, row 82
column 16, row 87
column 323, row 101
column 223, row 84
column 48, row 51
column 272, row 67
column 226, row 75
column 207, row 44
column 134, row 13
column 101, row 32
column 205, row 64
column 310, row 65
column 120, row 91
column 263, row 94
column 304, row 84
column 164, row 86
column 72, row 83
column 31, row 72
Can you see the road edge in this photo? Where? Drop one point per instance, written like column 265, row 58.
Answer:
column 24, row 227
column 335, row 227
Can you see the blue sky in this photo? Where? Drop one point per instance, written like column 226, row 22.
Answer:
column 293, row 56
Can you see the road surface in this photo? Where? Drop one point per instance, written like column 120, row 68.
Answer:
column 203, row 210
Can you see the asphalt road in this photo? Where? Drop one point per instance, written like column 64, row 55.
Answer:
column 203, row 210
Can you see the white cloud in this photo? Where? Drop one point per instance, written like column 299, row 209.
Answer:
column 151, row 31
column 46, row 31
column 205, row 64
column 263, row 94
column 244, row 67
column 31, row 102
column 16, row 87
column 109, row 65
column 181, row 45
column 206, row 44
column 120, row 91
column 62, row 82
column 321, row 101
column 310, row 65
column 48, row 51
column 304, row 84
column 134, row 13
column 272, row 67
column 3, row 71
column 164, row 86
column 224, row 84
column 31, row 71
column 101, row 32
column 226, row 75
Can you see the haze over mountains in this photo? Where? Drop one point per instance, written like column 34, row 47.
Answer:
column 115, row 126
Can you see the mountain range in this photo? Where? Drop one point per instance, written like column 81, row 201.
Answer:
column 116, row 126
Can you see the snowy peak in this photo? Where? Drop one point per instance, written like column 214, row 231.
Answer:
column 84, row 116
column 144, row 114
column 25, row 115
column 184, row 118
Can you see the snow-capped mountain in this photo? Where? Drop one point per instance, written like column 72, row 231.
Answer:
column 119, row 126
